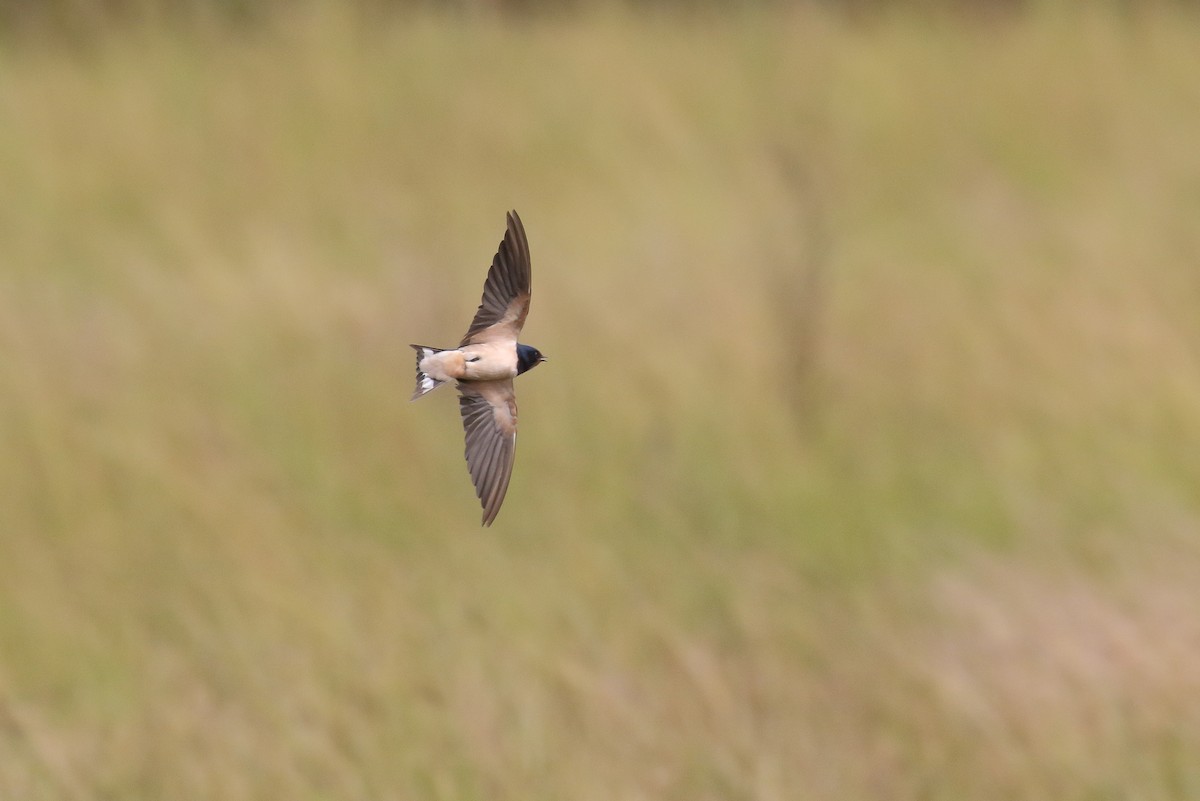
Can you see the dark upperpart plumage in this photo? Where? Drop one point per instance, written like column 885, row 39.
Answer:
column 528, row 357
column 487, row 402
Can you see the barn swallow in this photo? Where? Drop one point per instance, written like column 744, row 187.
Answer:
column 484, row 364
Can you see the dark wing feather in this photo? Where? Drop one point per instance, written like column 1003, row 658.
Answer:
column 489, row 415
column 505, row 303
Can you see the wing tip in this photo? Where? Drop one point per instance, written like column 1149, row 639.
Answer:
column 499, row 491
column 516, row 226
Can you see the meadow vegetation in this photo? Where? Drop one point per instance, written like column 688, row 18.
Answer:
column 864, row 467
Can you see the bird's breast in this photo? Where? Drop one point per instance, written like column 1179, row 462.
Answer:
column 489, row 361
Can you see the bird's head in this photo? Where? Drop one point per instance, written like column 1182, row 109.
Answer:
column 528, row 357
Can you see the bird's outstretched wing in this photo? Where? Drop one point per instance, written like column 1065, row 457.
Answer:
column 506, row 291
column 489, row 415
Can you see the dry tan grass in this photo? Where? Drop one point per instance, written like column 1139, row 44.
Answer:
column 863, row 468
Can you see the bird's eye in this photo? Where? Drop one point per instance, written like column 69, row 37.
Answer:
column 474, row 359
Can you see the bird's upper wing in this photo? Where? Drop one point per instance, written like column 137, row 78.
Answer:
column 506, row 291
column 489, row 415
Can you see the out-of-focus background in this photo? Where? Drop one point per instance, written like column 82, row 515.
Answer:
column 866, row 464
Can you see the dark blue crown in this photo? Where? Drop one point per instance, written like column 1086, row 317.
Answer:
column 527, row 357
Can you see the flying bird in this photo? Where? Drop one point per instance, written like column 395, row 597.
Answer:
column 484, row 364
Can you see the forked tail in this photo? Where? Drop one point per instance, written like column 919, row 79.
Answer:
column 425, row 383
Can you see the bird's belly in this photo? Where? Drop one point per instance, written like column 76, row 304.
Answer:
column 489, row 362
column 487, row 370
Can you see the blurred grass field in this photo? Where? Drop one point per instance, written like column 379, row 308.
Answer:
column 865, row 465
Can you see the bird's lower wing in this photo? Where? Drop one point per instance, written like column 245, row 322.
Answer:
column 489, row 415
